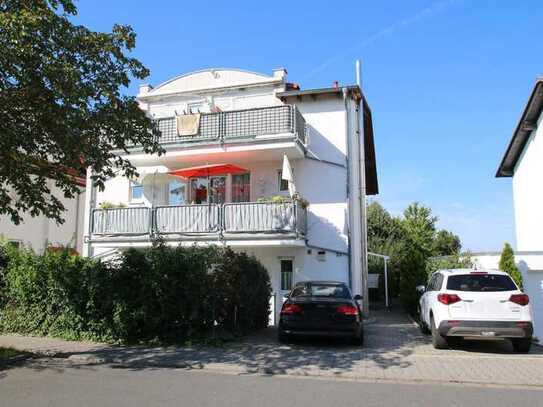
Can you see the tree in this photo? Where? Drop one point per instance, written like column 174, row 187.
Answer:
column 61, row 106
column 507, row 264
column 446, row 243
column 420, row 226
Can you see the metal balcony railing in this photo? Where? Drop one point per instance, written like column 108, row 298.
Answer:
column 238, row 124
column 219, row 219
column 121, row 221
column 187, row 219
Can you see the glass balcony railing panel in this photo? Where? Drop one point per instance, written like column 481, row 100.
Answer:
column 187, row 219
column 121, row 221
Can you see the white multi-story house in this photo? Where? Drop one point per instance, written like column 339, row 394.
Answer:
column 228, row 134
column 523, row 162
column 40, row 232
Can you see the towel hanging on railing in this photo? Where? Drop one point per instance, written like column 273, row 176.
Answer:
column 188, row 124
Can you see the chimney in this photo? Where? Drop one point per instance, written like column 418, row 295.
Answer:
column 145, row 88
column 280, row 73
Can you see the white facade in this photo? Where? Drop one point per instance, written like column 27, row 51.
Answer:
column 523, row 161
column 39, row 232
column 528, row 192
column 251, row 121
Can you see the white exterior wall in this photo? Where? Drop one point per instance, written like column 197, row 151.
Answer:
column 528, row 193
column 531, row 267
column 306, row 266
column 40, row 232
column 332, row 123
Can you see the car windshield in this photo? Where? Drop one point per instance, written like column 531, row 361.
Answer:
column 480, row 282
column 321, row 290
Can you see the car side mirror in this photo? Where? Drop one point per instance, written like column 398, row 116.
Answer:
column 421, row 289
column 287, row 295
column 358, row 297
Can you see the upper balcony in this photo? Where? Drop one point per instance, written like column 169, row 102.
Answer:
column 268, row 128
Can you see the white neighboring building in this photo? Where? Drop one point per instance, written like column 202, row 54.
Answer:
column 39, row 232
column 250, row 121
column 523, row 161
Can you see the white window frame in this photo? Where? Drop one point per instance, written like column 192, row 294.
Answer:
column 131, row 199
column 280, row 181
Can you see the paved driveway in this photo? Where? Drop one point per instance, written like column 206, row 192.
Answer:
column 394, row 350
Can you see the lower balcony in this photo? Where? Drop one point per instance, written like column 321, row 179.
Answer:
column 229, row 221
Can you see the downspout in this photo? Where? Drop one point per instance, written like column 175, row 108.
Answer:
column 349, row 257
column 77, row 201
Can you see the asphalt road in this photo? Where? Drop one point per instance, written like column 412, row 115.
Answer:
column 61, row 386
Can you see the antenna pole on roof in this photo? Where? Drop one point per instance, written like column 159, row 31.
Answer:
column 358, row 80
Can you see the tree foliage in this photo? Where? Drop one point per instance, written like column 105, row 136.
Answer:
column 61, row 105
column 446, row 243
column 410, row 241
column 507, row 264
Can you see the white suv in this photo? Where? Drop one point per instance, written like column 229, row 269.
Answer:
column 476, row 304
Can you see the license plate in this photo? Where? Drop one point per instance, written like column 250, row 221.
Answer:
column 488, row 333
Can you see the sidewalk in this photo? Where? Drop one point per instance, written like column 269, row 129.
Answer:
column 394, row 350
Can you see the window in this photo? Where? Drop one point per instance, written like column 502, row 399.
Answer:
column 322, row 290
column 241, row 188
column 177, row 192
column 136, row 191
column 286, row 275
column 481, row 282
column 438, row 282
column 283, row 183
column 435, row 282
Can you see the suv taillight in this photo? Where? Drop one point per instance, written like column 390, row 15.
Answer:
column 448, row 299
column 347, row 310
column 289, row 309
column 520, row 299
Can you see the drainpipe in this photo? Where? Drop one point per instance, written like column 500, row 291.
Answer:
column 362, row 190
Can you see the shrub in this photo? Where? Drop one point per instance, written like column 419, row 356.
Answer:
column 161, row 293
column 507, row 264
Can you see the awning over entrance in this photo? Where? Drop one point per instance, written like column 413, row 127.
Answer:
column 208, row 170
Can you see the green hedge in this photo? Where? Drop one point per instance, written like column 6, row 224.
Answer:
column 169, row 294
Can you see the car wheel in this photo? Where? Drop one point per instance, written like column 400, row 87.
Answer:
column 358, row 339
column 423, row 328
column 438, row 341
column 282, row 336
column 522, row 345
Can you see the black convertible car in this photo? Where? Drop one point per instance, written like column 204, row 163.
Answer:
column 321, row 308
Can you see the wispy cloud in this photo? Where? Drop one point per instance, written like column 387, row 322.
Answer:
column 430, row 11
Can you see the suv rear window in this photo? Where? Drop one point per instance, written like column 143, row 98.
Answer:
column 321, row 290
column 480, row 282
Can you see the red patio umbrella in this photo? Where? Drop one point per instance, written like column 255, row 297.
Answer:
column 208, row 170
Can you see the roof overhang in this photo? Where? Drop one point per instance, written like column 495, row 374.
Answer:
column 372, row 185
column 352, row 89
column 525, row 126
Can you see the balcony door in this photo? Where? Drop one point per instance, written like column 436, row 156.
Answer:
column 217, row 190
column 241, row 188
column 208, row 190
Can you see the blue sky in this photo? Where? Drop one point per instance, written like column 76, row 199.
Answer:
column 447, row 81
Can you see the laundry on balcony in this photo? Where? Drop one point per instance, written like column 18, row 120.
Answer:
column 188, row 124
